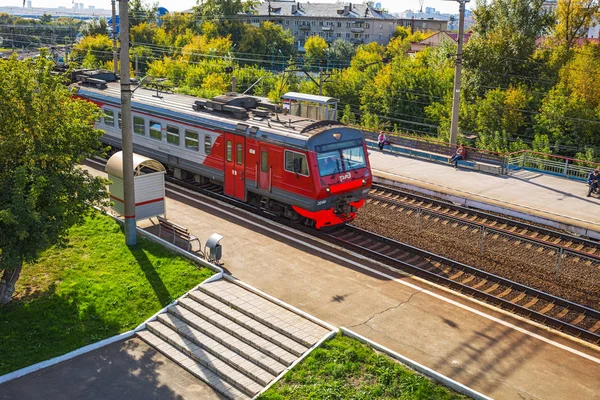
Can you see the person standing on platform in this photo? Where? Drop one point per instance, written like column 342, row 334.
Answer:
column 381, row 139
column 461, row 154
column 593, row 180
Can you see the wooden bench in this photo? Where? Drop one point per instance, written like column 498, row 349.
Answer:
column 177, row 231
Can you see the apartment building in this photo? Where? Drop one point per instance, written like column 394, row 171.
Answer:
column 356, row 23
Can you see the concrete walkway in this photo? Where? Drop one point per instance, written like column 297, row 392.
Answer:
column 129, row 370
column 545, row 196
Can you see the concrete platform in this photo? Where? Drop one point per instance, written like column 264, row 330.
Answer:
column 558, row 202
column 491, row 352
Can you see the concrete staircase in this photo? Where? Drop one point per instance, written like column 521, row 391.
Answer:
column 231, row 338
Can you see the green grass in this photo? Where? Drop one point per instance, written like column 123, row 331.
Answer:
column 91, row 288
column 344, row 368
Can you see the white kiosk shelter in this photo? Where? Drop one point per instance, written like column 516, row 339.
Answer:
column 311, row 106
column 149, row 181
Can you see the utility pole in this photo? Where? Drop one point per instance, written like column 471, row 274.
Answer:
column 320, row 81
column 126, row 128
column 457, row 72
column 114, row 38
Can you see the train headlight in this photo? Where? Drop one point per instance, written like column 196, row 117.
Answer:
column 364, row 182
column 327, row 190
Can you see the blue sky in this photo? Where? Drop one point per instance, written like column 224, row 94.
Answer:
column 391, row 5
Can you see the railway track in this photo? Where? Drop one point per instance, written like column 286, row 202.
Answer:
column 406, row 202
column 552, row 311
column 558, row 313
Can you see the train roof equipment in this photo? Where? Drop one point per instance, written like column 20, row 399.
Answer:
column 232, row 112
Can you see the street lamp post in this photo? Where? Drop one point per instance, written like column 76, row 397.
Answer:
column 457, row 73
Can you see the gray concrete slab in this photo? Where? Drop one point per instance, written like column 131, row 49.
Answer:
column 129, row 370
column 553, row 197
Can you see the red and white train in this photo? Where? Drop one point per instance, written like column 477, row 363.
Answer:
column 306, row 170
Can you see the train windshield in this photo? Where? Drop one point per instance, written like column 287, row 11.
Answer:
column 337, row 161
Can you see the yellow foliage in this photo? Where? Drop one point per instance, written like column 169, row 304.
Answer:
column 201, row 48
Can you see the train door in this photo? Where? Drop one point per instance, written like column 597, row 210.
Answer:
column 229, row 184
column 240, row 167
column 264, row 169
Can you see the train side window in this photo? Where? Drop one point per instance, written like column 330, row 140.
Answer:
column 173, row 135
column 240, row 154
column 207, row 144
column 139, row 126
column 155, row 130
column 264, row 161
column 191, row 140
column 296, row 163
column 109, row 117
column 229, row 150
column 119, row 120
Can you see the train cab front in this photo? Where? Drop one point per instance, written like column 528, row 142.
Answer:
column 342, row 177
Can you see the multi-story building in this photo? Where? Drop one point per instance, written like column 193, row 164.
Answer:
column 356, row 23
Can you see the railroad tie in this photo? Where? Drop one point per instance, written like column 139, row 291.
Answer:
column 505, row 293
column 579, row 246
column 547, row 308
column 531, row 302
column 492, row 288
column 457, row 275
column 596, row 327
column 563, row 312
column 469, row 279
column 518, row 298
column 577, row 320
column 535, row 234
column 480, row 284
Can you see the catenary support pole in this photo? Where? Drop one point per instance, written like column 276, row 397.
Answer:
column 114, row 38
column 457, row 73
column 127, row 142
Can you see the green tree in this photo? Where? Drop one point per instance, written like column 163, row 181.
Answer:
column 574, row 18
column 95, row 27
column 140, row 12
column 46, row 18
column 99, row 47
column 570, row 112
column 223, row 13
column 315, row 48
column 348, row 117
column 501, row 49
column 268, row 39
column 44, row 135
column 340, row 53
